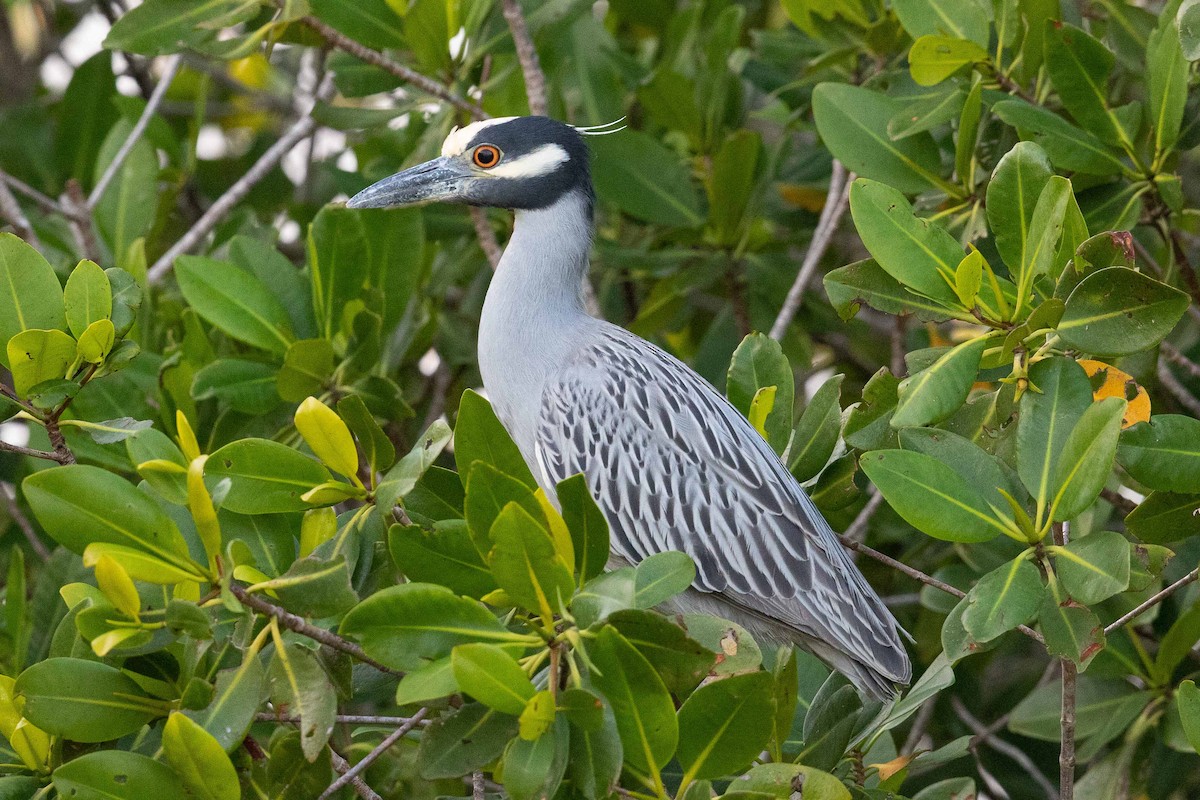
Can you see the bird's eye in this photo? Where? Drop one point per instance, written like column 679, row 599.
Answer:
column 486, row 156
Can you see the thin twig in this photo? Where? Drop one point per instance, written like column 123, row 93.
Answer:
column 45, row 201
column 8, row 495
column 75, row 202
column 1176, row 357
column 920, row 726
column 1152, row 601
column 985, row 735
column 233, row 195
column 342, row 766
column 300, row 625
column 10, row 209
column 378, row 59
column 139, row 128
column 858, row 528
column 535, row 79
column 1120, row 502
column 346, row 719
column 836, row 203
column 1066, row 755
column 372, row 756
column 485, row 234
column 1177, row 389
column 32, row 453
column 477, row 786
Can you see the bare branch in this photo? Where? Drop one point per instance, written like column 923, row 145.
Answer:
column 1176, row 357
column 1066, row 755
column 487, row 236
column 348, row 719
column 44, row 201
column 836, row 203
column 372, row 756
column 10, row 209
column 477, row 786
column 75, row 203
column 378, row 59
column 1177, row 389
column 858, row 528
column 8, row 495
column 300, row 625
column 29, row 451
column 342, row 766
column 1152, row 601
column 986, row 735
column 139, row 128
column 1118, row 501
column 535, row 79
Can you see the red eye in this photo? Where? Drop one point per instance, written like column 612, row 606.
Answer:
column 486, row 156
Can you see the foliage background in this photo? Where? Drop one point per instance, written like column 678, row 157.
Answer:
column 993, row 391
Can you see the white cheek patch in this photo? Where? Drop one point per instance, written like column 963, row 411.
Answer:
column 534, row 164
column 459, row 138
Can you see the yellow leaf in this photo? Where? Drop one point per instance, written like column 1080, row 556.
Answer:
column 564, row 546
column 201, row 505
column 760, row 408
column 1108, row 381
column 328, row 437
column 187, row 438
column 96, row 342
column 139, row 565
column 330, row 492
column 805, row 197
column 117, row 586
column 889, row 768
column 105, row 643
column 538, row 716
column 32, row 744
column 319, row 526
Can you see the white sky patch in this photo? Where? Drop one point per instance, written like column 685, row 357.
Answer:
column 327, row 144
column 541, row 161
column 429, row 362
column 458, row 43
column 56, row 73
column 289, row 231
column 16, row 433
column 347, row 161
column 85, row 39
column 211, row 143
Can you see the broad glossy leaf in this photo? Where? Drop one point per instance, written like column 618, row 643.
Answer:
column 817, row 432
column 245, row 386
column 199, row 760
column 527, row 565
column 644, row 179
column 938, row 391
column 534, row 769
column 1086, row 460
column 853, row 123
column 1167, row 79
column 926, row 111
column 327, row 436
column 1045, row 231
column 1046, row 420
column 235, row 301
column 587, row 525
column 1095, row 567
column 79, row 505
column 1163, row 453
column 298, row 682
column 1072, row 630
column 1037, row 716
column 337, row 251
column 965, row 20
column 466, row 740
column 1006, row 597
column 1188, row 697
column 759, row 363
column 409, row 625
column 491, row 676
column 721, row 725
column 1079, row 66
column 931, row 496
column 661, row 576
column 737, row 648
column 307, row 368
column 1117, row 311
column 1069, row 147
column 166, row 26
column 867, row 423
column 919, row 254
column 679, row 660
column 488, row 492
column 644, row 712
column 968, row 134
column 1165, row 517
column 932, row 59
column 239, row 691
column 37, row 356
column 479, row 436
column 115, row 775
column 84, row 701
column 265, row 477
column 314, row 587
column 830, row 723
column 403, row 477
column 127, row 209
column 865, row 282
column 375, row 23
column 30, row 297
column 377, row 448
column 778, row 780
column 444, row 555
column 988, row 474
column 87, row 297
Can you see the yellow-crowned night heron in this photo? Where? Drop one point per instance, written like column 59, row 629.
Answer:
column 671, row 463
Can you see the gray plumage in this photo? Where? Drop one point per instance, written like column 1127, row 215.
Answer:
column 671, row 463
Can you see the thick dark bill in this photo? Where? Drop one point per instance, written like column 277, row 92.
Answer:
column 438, row 180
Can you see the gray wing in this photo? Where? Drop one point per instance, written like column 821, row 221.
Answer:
column 674, row 466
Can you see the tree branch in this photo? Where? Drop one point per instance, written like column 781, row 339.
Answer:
column 29, row 451
column 301, row 626
column 535, row 79
column 378, row 59
column 1177, row 389
column 139, row 128
column 836, row 203
column 342, row 766
column 486, row 236
column 10, row 209
column 8, row 495
column 1066, row 755
column 1118, row 501
column 985, row 735
column 1176, row 357
column 1152, row 601
column 372, row 756
column 347, row 719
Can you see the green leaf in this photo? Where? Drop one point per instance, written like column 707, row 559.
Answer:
column 479, row 436
column 374, row 23
column 79, row 505
column 758, row 363
column 409, row 625
column 933, row 59
column 30, row 295
column 851, row 286
column 1045, row 230
column 126, row 299
column 644, row 712
column 1188, row 19
column 739, row 652
column 488, row 492
column 919, row 254
column 731, row 185
column 245, row 386
column 1068, row 147
column 533, row 769
column 430, row 682
column 938, row 391
column 1012, row 195
column 115, row 775
column 236, row 699
column 931, row 496
column 1038, row 715
column 37, row 356
column 1188, row 698
column 87, row 110
column 720, row 724
column 151, row 445
column 989, row 475
column 466, row 740
column 661, row 576
column 1163, row 453
column 307, row 369
column 644, row 179
column 587, row 525
column 1117, row 311
column 329, row 438
column 1047, row 417
column 1095, row 567
column 830, row 723
column 778, row 780
column 337, row 251
column 444, row 555
column 1086, row 460
column 867, row 423
column 491, row 676
column 84, row 701
column 1079, row 66
column 377, row 448
column 1165, row 517
column 265, row 477
column 127, row 209
column 679, row 660
column 199, row 760
column 87, row 297
column 926, row 111
column 1167, row 84
column 1175, row 645
column 313, row 587
column 97, row 341
column 964, row 20
column 402, row 478
column 526, row 564
column 1071, row 630
column 817, row 432
column 853, row 123
column 1003, row 599
column 968, row 134
column 299, row 683
column 235, row 301
column 167, row 26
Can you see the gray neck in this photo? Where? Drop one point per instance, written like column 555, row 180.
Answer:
column 534, row 317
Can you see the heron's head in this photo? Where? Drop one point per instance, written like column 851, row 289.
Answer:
column 509, row 162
